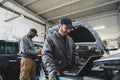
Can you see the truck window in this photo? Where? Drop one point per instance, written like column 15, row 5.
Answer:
column 2, row 48
column 12, row 48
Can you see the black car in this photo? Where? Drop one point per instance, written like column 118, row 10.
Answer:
column 10, row 61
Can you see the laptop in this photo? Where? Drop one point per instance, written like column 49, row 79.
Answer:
column 84, row 69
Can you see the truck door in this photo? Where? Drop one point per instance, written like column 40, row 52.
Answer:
column 13, row 61
column 3, row 59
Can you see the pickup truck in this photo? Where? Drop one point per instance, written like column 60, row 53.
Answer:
column 10, row 61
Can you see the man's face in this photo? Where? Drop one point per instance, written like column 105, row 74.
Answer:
column 31, row 34
column 64, row 30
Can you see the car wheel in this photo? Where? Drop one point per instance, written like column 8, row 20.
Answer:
column 2, row 77
column 117, row 76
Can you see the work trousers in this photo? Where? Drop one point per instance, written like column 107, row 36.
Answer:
column 28, row 69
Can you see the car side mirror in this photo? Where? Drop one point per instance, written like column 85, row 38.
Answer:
column 111, row 48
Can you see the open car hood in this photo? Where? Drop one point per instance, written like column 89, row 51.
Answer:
column 83, row 34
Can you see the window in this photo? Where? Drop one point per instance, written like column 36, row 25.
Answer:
column 2, row 48
column 12, row 48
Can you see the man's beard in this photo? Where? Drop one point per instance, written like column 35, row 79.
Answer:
column 65, row 33
column 30, row 36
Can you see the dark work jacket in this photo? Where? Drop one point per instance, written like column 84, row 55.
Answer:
column 58, row 52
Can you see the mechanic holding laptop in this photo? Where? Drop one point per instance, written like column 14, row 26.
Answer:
column 58, row 50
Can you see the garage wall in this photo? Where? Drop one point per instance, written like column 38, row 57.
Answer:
column 18, row 27
column 110, row 21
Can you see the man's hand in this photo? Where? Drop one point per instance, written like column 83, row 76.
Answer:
column 53, row 75
column 39, row 53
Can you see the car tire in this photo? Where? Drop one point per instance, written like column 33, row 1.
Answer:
column 117, row 76
column 2, row 77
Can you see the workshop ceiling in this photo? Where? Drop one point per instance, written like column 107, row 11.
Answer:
column 50, row 11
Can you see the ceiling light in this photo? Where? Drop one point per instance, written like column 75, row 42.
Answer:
column 99, row 27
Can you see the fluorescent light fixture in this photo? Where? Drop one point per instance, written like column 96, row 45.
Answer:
column 15, row 17
column 99, row 27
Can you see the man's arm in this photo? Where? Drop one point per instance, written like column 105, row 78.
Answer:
column 25, row 48
column 47, row 57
